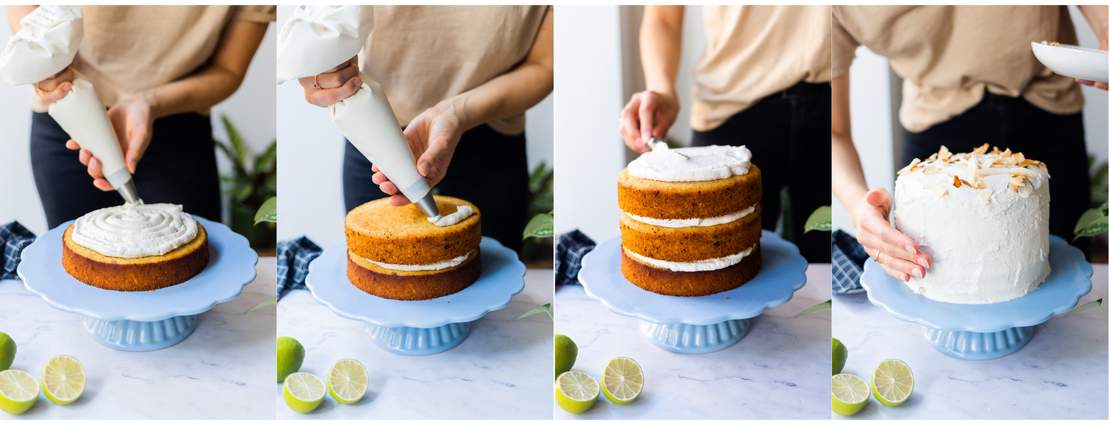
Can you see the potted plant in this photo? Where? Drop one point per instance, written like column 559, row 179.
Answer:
column 251, row 182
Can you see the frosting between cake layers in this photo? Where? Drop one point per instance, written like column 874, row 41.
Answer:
column 983, row 218
column 702, row 163
column 133, row 231
column 676, row 223
column 460, row 214
column 442, row 265
column 706, row 265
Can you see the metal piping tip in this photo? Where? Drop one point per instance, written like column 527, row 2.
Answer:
column 427, row 204
column 129, row 193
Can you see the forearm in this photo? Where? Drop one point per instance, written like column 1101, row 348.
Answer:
column 16, row 13
column 661, row 46
column 1096, row 17
column 849, row 184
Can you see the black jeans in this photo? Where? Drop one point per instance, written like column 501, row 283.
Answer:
column 178, row 167
column 788, row 134
column 489, row 169
column 1009, row 122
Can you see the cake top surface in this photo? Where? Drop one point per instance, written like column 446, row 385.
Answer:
column 379, row 217
column 985, row 169
column 133, row 231
column 692, row 164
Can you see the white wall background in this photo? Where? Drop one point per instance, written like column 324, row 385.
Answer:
column 251, row 108
column 876, row 135
column 310, row 154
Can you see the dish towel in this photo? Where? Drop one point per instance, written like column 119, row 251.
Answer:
column 847, row 264
column 570, row 249
column 293, row 257
column 14, row 237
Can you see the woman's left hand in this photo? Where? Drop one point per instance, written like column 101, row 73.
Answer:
column 432, row 136
column 132, row 120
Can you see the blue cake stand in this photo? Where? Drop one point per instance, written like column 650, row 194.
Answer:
column 692, row 325
column 418, row 328
column 148, row 320
column 985, row 331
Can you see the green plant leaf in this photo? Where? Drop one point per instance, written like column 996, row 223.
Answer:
column 815, row 308
column 265, row 161
column 237, row 169
column 546, row 308
column 1093, row 222
column 1086, row 306
column 820, row 219
column 267, row 212
column 236, row 140
column 540, row 226
column 268, row 302
column 242, row 191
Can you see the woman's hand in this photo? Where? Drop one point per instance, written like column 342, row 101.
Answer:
column 432, row 136
column 132, row 121
column 647, row 114
column 896, row 252
column 56, row 87
column 330, row 87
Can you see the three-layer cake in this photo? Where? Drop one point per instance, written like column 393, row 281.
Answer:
column 690, row 220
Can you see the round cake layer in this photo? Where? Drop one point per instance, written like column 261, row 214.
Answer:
column 691, row 243
column 678, row 200
column 135, row 274
column 384, row 233
column 691, row 284
column 412, row 285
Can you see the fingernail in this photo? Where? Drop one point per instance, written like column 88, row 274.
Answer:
column 918, row 273
column 922, row 261
column 905, row 277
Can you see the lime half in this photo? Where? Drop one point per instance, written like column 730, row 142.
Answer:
column 849, row 394
column 63, row 380
column 576, row 391
column 18, row 391
column 347, row 381
column 839, row 356
column 303, row 392
column 892, row 382
column 622, row 380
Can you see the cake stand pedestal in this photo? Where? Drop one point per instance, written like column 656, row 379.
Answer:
column 693, row 325
column 147, row 320
column 417, row 328
column 985, row 331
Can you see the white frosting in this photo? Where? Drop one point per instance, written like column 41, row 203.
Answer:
column 693, row 266
column 460, row 214
column 988, row 238
column 133, row 231
column 318, row 38
column 423, row 267
column 700, row 164
column 45, row 44
column 692, row 222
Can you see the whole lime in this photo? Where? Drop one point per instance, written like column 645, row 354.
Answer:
column 566, row 351
column 839, row 356
column 290, row 355
column 7, row 351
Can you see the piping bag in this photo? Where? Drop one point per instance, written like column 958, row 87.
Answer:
column 315, row 40
column 46, row 44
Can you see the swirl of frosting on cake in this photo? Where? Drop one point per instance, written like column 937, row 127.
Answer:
column 460, row 214
column 133, row 231
column 693, row 164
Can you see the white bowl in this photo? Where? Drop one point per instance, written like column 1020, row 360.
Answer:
column 1073, row 61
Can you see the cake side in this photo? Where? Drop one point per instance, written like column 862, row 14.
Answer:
column 693, row 242
column 412, row 285
column 679, row 200
column 691, row 284
column 403, row 235
column 135, row 274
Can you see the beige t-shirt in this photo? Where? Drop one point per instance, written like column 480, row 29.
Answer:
column 128, row 49
column 425, row 54
column 754, row 51
column 948, row 56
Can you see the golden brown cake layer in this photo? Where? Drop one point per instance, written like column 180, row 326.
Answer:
column 135, row 274
column 674, row 200
column 691, row 284
column 412, row 285
column 381, row 232
column 690, row 243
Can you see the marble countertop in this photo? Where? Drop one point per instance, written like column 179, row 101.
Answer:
column 501, row 371
column 1060, row 374
column 219, row 372
column 779, row 370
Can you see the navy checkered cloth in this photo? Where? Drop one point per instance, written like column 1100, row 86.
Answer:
column 14, row 237
column 570, row 249
column 293, row 258
column 847, row 264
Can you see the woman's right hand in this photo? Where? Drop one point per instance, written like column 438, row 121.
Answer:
column 896, row 252
column 647, row 114
column 333, row 86
column 56, row 87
